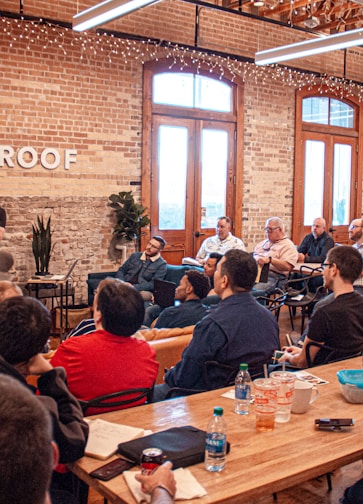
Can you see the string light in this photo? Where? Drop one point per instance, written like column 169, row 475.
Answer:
column 106, row 45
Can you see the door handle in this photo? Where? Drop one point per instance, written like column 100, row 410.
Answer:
column 198, row 233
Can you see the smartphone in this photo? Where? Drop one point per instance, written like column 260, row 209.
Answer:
column 277, row 355
column 333, row 423
column 112, row 469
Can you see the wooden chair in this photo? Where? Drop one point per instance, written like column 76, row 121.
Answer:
column 117, row 399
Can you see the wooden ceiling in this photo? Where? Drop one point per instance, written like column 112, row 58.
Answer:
column 326, row 16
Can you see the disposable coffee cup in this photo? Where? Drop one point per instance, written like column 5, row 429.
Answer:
column 305, row 394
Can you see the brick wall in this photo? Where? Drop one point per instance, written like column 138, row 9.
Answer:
column 58, row 95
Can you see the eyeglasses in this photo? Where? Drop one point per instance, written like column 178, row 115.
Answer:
column 353, row 226
column 269, row 230
column 151, row 245
column 326, row 265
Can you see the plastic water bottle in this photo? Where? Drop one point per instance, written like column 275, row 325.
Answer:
column 242, row 391
column 216, row 442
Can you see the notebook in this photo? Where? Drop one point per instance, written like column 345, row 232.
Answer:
column 164, row 293
column 57, row 277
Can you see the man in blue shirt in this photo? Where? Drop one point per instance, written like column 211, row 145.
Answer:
column 141, row 268
column 238, row 329
column 193, row 287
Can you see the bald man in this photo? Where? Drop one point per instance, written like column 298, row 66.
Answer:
column 315, row 246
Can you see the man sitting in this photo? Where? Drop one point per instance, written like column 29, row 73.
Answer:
column 210, row 267
column 221, row 242
column 338, row 324
column 355, row 232
column 237, row 330
column 278, row 251
column 25, row 325
column 193, row 287
column 108, row 360
column 27, row 451
column 141, row 268
column 314, row 248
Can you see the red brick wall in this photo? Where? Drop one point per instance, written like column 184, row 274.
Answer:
column 51, row 97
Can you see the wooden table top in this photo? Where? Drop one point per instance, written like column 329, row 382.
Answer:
column 258, row 463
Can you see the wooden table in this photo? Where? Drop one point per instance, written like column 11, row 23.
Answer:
column 258, row 463
column 64, row 293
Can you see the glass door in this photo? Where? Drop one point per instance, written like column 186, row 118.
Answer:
column 192, row 182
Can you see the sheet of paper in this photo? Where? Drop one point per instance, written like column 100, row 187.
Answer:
column 305, row 376
column 104, row 437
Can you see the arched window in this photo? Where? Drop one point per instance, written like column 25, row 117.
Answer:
column 327, row 179
column 190, row 136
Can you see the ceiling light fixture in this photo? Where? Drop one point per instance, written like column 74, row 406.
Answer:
column 310, row 47
column 259, row 3
column 107, row 11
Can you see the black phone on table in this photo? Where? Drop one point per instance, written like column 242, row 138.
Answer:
column 112, row 469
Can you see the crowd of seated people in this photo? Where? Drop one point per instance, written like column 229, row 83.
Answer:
column 107, row 359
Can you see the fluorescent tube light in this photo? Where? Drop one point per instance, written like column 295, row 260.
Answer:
column 106, row 11
column 310, row 47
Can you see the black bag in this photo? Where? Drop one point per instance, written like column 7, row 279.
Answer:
column 184, row 446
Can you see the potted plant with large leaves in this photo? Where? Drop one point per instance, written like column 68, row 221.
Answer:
column 129, row 220
column 42, row 245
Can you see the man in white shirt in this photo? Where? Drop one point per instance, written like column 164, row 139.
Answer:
column 355, row 232
column 278, row 251
column 222, row 241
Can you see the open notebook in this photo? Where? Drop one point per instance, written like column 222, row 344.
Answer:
column 57, row 277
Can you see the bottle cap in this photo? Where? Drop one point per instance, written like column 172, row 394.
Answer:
column 218, row 411
column 243, row 367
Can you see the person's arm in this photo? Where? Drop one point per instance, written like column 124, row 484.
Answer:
column 205, row 345
column 70, row 431
column 159, row 274
column 165, row 318
column 160, row 484
column 327, row 244
column 2, row 222
column 303, row 248
column 120, row 274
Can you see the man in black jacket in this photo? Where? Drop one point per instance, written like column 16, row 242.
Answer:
column 24, row 329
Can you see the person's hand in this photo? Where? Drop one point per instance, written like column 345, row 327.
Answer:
column 263, row 260
column 300, row 257
column 38, row 365
column 288, row 353
column 163, row 476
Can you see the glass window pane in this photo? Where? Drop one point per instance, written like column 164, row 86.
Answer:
column 341, row 184
column 211, row 94
column 173, row 89
column 314, row 180
column 315, row 110
column 341, row 114
column 172, row 157
column 214, row 176
column 192, row 91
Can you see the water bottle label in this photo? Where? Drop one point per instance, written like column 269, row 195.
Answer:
column 216, row 443
column 243, row 392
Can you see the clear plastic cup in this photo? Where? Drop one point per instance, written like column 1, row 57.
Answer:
column 285, row 394
column 265, row 403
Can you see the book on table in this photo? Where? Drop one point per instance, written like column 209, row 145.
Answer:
column 104, row 437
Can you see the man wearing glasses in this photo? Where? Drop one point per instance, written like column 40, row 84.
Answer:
column 338, row 324
column 355, row 232
column 278, row 251
column 141, row 268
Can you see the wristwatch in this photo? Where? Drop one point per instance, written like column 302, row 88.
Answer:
column 269, row 259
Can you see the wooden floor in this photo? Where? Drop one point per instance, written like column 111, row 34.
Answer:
column 311, row 492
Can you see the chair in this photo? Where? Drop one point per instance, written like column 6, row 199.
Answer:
column 106, row 401
column 273, row 304
column 299, row 295
column 333, row 354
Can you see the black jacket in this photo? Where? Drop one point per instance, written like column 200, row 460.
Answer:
column 70, row 431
